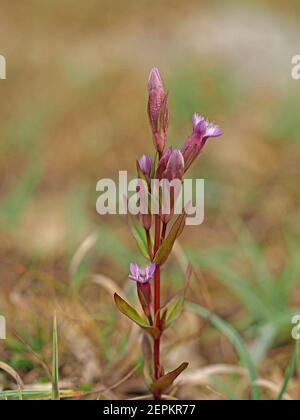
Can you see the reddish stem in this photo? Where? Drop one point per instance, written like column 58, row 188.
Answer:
column 156, row 347
column 156, row 350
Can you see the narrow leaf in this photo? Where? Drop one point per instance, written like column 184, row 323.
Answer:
column 55, row 378
column 235, row 339
column 187, row 275
column 132, row 314
column 140, row 237
column 165, row 382
column 288, row 375
column 153, row 169
column 167, row 245
column 298, row 357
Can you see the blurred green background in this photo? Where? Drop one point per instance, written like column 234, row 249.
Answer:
column 73, row 110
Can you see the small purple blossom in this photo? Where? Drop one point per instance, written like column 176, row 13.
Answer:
column 202, row 130
column 145, row 163
column 142, row 275
column 205, row 128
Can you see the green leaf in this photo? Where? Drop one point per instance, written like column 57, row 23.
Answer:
column 174, row 310
column 30, row 394
column 140, row 236
column 235, row 339
column 55, row 379
column 298, row 356
column 153, row 169
column 165, row 382
column 167, row 245
column 288, row 375
column 132, row 314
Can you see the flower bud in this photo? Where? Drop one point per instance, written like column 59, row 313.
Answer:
column 145, row 165
column 157, row 110
column 175, row 166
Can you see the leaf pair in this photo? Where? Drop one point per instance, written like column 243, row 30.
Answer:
column 132, row 314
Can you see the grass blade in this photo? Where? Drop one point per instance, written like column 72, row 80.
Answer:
column 298, row 356
column 55, row 386
column 288, row 375
column 235, row 339
column 15, row 376
column 238, row 285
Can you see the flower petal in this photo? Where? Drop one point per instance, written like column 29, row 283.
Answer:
column 151, row 270
column 134, row 269
column 213, row 131
column 196, row 120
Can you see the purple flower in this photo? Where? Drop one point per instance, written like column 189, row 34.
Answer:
column 171, row 165
column 157, row 110
column 142, row 275
column 145, row 164
column 202, row 130
column 205, row 128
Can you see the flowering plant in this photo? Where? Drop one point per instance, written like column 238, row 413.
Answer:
column 159, row 232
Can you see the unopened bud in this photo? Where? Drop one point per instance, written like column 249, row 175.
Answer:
column 145, row 164
column 158, row 110
column 175, row 166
